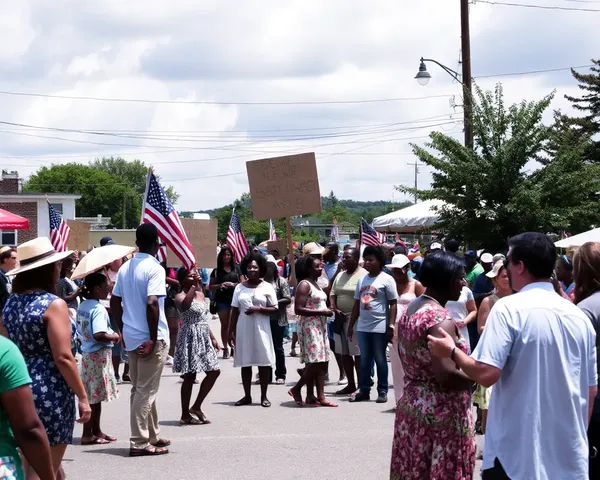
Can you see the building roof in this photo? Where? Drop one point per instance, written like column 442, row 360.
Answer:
column 37, row 196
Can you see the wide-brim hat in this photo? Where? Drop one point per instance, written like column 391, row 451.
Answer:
column 313, row 248
column 37, row 253
column 398, row 261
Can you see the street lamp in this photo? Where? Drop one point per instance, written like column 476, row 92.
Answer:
column 423, row 76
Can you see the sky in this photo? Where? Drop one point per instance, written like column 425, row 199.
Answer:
column 219, row 83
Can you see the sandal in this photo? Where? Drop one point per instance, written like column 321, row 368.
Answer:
column 265, row 403
column 312, row 401
column 148, row 451
column 161, row 443
column 293, row 353
column 201, row 416
column 280, row 381
column 327, row 403
column 95, row 441
column 189, row 421
column 346, row 391
column 297, row 398
column 243, row 401
column 126, row 377
column 108, row 437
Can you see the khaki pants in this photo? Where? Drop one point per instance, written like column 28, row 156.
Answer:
column 145, row 375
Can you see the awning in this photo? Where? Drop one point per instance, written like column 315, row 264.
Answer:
column 10, row 221
column 578, row 240
column 409, row 219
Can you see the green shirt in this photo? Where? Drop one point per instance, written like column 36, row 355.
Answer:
column 13, row 374
column 473, row 274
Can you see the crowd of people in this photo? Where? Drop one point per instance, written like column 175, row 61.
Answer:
column 513, row 333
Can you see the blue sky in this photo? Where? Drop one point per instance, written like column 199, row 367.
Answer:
column 231, row 53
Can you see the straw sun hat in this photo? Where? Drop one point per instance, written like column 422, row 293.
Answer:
column 37, row 253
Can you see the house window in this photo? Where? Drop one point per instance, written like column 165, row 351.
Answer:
column 8, row 238
column 58, row 207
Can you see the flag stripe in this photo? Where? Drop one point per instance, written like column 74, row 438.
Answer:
column 236, row 239
column 59, row 230
column 369, row 235
column 169, row 234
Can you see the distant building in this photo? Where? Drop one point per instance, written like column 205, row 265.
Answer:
column 32, row 206
column 316, row 225
column 97, row 223
column 201, row 216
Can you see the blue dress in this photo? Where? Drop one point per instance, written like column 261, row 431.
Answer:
column 54, row 400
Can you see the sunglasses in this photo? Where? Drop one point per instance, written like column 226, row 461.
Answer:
column 566, row 259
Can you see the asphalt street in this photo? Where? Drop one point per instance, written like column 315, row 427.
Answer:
column 251, row 442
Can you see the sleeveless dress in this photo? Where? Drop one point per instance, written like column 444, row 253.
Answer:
column 312, row 331
column 54, row 400
column 482, row 395
column 433, row 431
column 397, row 369
column 194, row 352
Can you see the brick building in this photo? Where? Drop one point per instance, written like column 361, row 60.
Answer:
column 33, row 206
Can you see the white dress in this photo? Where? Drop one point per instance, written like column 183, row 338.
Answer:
column 253, row 339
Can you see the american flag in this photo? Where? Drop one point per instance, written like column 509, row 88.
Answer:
column 159, row 211
column 236, row 239
column 416, row 248
column 272, row 234
column 59, row 230
column 369, row 235
column 335, row 232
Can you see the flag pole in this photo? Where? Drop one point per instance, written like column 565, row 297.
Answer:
column 145, row 194
column 291, row 258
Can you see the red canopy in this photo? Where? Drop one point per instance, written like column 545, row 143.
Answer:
column 10, row 221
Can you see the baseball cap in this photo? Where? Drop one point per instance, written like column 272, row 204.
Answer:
column 487, row 258
column 271, row 259
column 313, row 248
column 435, row 246
column 499, row 257
column 106, row 241
column 471, row 253
column 398, row 261
column 493, row 273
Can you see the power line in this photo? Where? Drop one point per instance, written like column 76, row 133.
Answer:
column 209, row 102
column 543, row 7
column 532, row 72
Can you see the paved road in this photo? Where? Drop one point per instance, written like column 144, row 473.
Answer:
column 281, row 442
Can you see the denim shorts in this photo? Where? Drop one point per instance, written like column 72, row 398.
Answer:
column 223, row 307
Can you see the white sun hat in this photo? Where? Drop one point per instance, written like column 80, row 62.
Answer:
column 399, row 261
column 37, row 253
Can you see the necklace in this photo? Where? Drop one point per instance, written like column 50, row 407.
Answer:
column 431, row 298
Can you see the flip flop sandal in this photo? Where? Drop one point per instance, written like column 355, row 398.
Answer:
column 161, row 443
column 313, row 402
column 108, row 437
column 96, row 441
column 280, row 381
column 328, row 404
column 297, row 398
column 148, row 451
column 189, row 421
column 201, row 417
column 265, row 403
column 243, row 401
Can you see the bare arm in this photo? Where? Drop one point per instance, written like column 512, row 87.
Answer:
column 73, row 296
column 482, row 373
column 235, row 315
column 419, row 288
column 353, row 318
column 445, row 369
column 59, row 337
column 472, row 315
column 484, row 311
column 152, row 313
column 116, row 309
column 183, row 301
column 28, row 430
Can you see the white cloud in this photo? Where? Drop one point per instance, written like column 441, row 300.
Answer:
column 265, row 51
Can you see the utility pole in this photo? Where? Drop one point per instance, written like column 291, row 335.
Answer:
column 124, row 210
column 416, row 165
column 467, row 80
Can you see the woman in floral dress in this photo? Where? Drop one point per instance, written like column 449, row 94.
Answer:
column 38, row 322
column 311, row 308
column 433, row 432
column 97, row 341
column 196, row 348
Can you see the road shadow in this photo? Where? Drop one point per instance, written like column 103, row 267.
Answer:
column 232, row 404
column 115, row 451
column 169, row 423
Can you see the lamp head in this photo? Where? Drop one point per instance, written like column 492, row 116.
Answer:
column 423, row 76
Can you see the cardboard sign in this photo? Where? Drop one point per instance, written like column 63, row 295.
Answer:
column 284, row 186
column 202, row 234
column 279, row 245
column 80, row 235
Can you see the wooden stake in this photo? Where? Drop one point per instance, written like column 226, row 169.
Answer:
column 291, row 258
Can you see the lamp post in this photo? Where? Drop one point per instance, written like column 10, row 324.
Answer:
column 423, row 76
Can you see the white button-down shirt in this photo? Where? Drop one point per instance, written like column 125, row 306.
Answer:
column 538, row 414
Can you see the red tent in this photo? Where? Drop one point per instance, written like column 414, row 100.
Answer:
column 10, row 221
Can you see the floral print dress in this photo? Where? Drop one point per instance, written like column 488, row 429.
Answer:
column 312, row 331
column 433, row 432
column 54, row 400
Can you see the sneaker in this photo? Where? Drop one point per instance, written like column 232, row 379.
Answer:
column 382, row 398
column 169, row 361
column 361, row 397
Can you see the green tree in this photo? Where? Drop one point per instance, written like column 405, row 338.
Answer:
column 134, row 172
column 101, row 192
column 502, row 188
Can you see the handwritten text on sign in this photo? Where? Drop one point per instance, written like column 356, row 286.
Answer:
column 284, row 186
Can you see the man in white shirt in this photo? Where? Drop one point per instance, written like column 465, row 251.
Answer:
column 137, row 304
column 538, row 350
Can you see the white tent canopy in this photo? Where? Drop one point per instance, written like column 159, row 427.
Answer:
column 409, row 219
column 578, row 240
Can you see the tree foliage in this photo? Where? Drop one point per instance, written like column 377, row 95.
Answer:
column 112, row 187
column 508, row 184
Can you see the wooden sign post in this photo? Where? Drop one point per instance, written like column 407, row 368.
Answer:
column 202, row 234
column 80, row 235
column 284, row 187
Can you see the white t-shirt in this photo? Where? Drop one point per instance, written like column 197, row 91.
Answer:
column 458, row 309
column 537, row 420
column 140, row 278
